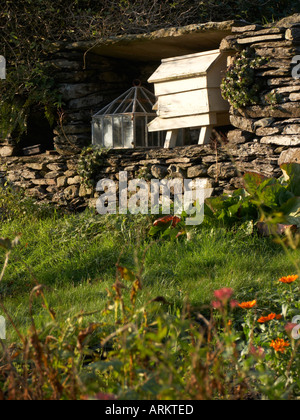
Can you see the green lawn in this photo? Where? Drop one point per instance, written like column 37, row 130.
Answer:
column 75, row 256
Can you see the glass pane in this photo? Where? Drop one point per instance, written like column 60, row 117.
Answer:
column 97, row 132
column 140, row 132
column 107, row 132
column 128, row 131
column 117, row 131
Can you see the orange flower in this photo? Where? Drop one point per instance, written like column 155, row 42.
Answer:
column 248, row 305
column 278, row 317
column 288, row 279
column 279, row 345
column 268, row 318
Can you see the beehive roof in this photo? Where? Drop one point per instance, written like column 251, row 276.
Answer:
column 191, row 65
column 135, row 100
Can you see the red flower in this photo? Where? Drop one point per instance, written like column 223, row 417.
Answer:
column 167, row 219
column 224, row 294
column 217, row 304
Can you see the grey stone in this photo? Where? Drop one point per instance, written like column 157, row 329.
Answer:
column 197, row 171
column 289, row 156
column 239, row 136
column 74, row 181
column 222, row 171
column 62, row 182
column 52, row 175
column 71, row 192
column 245, row 124
column 292, row 129
column 7, row 151
column 282, row 140
column 159, row 171
column 26, row 174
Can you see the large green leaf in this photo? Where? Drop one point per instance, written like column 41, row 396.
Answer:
column 252, row 181
column 292, row 172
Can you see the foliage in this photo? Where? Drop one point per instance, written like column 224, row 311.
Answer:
column 15, row 205
column 264, row 199
column 90, row 163
column 27, row 88
column 150, row 352
column 240, row 86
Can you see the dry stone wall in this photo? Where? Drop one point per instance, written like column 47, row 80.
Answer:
column 54, row 179
column 276, row 119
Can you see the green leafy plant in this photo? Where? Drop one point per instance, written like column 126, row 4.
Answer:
column 26, row 88
column 264, row 199
column 90, row 163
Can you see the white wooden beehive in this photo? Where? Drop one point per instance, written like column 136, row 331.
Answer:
column 189, row 95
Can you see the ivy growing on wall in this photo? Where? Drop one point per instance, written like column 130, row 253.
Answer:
column 240, row 86
column 90, row 163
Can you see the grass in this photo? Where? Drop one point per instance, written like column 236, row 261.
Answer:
column 75, row 256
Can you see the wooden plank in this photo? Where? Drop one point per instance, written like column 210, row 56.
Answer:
column 191, row 103
column 205, row 134
column 216, row 101
column 171, row 139
column 181, row 104
column 177, row 86
column 160, row 124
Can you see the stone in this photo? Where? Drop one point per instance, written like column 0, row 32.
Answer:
column 282, row 140
column 37, row 193
column 288, row 110
column 85, row 191
column 71, row 192
column 294, row 97
column 293, row 34
column 289, row 21
column 262, row 38
column 72, row 165
column 268, row 131
column 87, row 101
column 222, row 170
column 56, row 166
column 70, row 173
column 52, row 175
column 245, row 124
column 7, row 151
column 78, row 90
column 239, row 136
column 26, row 174
column 43, row 182
column 37, row 166
column 74, row 181
column 62, row 181
column 265, row 122
column 66, row 64
column 289, row 81
column 292, row 129
column 176, row 172
column 247, row 28
column 197, row 171
column 159, row 171
column 289, row 156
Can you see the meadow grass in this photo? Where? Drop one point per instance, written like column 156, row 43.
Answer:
column 75, row 257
